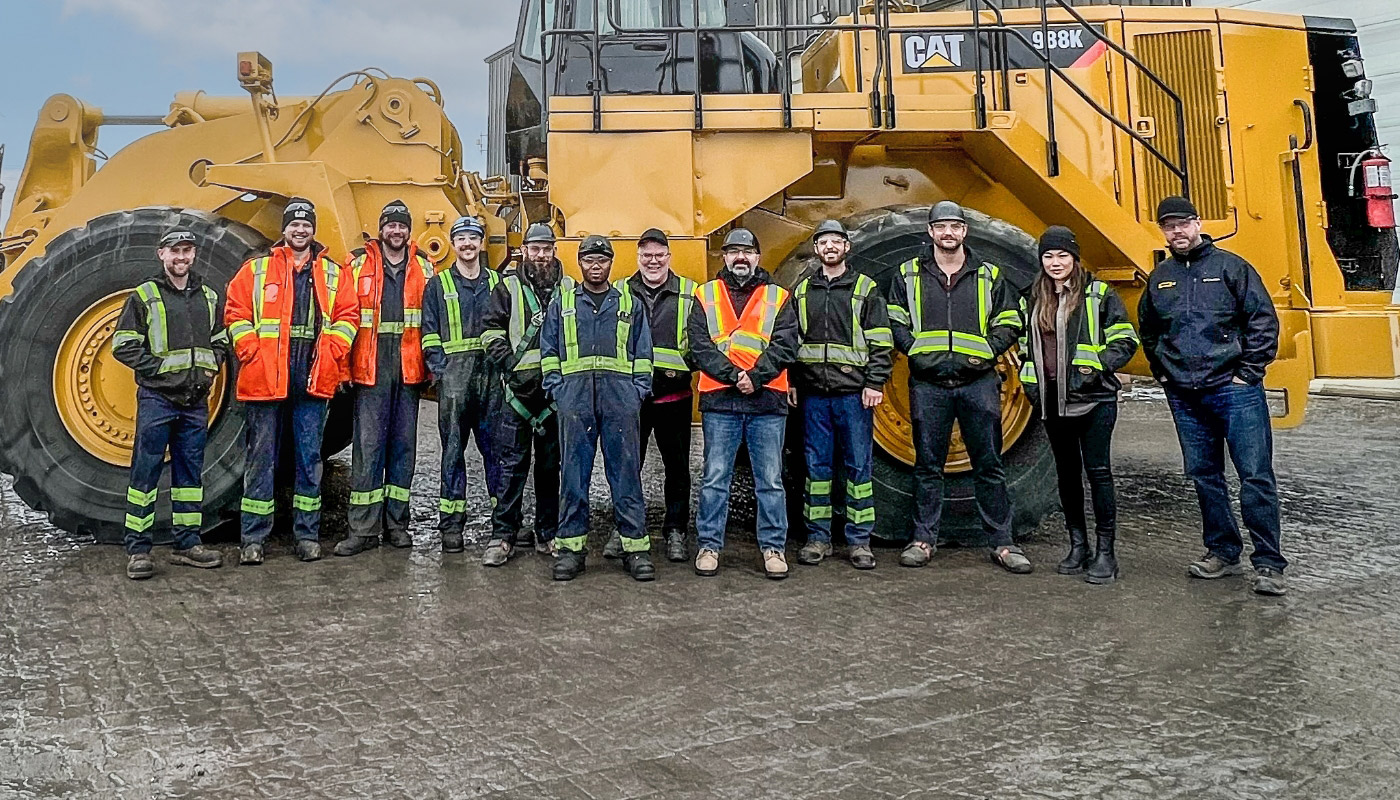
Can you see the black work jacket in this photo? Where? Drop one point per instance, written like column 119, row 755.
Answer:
column 827, row 317
column 1206, row 319
column 955, row 309
column 187, row 326
column 668, row 330
column 524, row 384
column 780, row 354
column 1088, row 359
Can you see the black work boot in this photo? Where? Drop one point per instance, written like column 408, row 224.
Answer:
column 639, row 566
column 197, row 556
column 354, row 545
column 453, row 542
column 524, row 539
column 308, row 550
column 1079, row 554
column 252, row 555
column 139, row 566
column 399, row 538
column 569, row 565
column 1104, row 568
column 675, row 546
column 613, row 548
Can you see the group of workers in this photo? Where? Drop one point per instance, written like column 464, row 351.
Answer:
column 532, row 362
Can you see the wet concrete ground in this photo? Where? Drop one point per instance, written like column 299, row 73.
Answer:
column 407, row 674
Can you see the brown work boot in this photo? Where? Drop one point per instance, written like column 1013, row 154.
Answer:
column 707, row 562
column 197, row 556
column 775, row 564
column 139, row 566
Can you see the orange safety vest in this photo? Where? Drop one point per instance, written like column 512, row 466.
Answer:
column 259, row 319
column 367, row 270
column 742, row 338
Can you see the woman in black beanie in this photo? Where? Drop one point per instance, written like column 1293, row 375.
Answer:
column 1077, row 336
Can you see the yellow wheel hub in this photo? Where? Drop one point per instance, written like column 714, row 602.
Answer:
column 95, row 393
column 894, row 428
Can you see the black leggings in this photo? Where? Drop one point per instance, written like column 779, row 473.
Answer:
column 1082, row 445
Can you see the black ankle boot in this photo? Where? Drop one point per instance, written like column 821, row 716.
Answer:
column 1104, row 568
column 1079, row 554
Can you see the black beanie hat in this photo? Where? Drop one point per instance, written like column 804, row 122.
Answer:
column 299, row 208
column 1176, row 208
column 1058, row 237
column 396, row 211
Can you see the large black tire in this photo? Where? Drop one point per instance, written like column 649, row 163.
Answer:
column 52, row 472
column 881, row 240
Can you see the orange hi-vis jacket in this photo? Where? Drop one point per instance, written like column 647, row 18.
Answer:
column 741, row 338
column 368, row 272
column 258, row 314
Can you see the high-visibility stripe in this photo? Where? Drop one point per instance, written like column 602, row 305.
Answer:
column 240, row 328
column 573, row 544
column 816, row 512
column 139, row 498
column 860, row 516
column 187, row 519
column 412, row 318
column 262, row 508
column 302, row 502
column 638, row 545
column 860, row 491
column 450, row 506
column 366, row 318
column 399, row 493
column 187, row 494
column 140, row 524
column 667, row 358
column 818, row 487
column 571, row 363
column 392, row 327
column 367, row 498
column 122, row 337
column 897, row 314
column 157, row 332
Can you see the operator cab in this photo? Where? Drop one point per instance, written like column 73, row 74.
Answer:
column 645, row 47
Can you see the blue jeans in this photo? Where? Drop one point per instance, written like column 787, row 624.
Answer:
column 838, row 427
column 763, row 433
column 160, row 423
column 1206, row 422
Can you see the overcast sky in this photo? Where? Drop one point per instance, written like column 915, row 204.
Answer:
column 132, row 56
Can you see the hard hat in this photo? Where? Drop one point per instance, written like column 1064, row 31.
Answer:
column 740, row 237
column 595, row 245
column 831, row 226
column 539, row 233
column 946, row 211
column 468, row 225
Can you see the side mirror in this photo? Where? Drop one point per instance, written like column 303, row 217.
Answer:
column 741, row 13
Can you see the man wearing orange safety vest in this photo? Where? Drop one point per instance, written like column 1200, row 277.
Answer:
column 388, row 371
column 291, row 317
column 743, row 336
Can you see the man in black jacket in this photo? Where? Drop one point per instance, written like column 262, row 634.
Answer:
column 526, row 418
column 169, row 333
column 743, row 336
column 843, row 362
column 954, row 315
column 1209, row 331
column 666, row 414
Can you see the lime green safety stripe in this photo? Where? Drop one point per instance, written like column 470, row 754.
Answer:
column 666, row 358
column 818, row 487
column 450, row 506
column 572, row 363
column 399, row 493
column 816, row 512
column 240, row 329
column 367, row 498
column 263, row 508
column 1122, row 330
column 573, row 544
column 140, row 524
column 157, row 333
column 187, row 519
column 897, row 314
column 392, row 327
column 639, row 545
column 860, row 516
column 860, row 491
column 138, row 498
column 303, row 502
column 122, row 337
column 187, row 494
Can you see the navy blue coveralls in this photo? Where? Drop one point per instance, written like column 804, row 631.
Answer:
column 386, row 426
column 595, row 353
column 173, row 340
column 468, row 384
column 300, row 417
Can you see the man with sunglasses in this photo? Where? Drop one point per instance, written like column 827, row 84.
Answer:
column 1209, row 331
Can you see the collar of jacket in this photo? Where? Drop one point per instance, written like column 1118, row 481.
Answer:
column 929, row 263
column 374, row 254
column 285, row 251
column 672, row 284
column 1196, row 253
column 760, row 278
column 192, row 281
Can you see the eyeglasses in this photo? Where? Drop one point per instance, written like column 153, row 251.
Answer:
column 742, row 251
column 949, row 227
column 1178, row 224
column 595, row 261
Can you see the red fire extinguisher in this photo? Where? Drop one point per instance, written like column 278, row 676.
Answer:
column 1380, row 197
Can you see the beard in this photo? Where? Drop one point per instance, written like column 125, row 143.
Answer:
column 742, row 270
column 542, row 274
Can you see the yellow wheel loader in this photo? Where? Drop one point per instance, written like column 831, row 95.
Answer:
column 695, row 116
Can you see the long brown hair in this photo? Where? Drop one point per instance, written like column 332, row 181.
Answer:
column 1043, row 299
